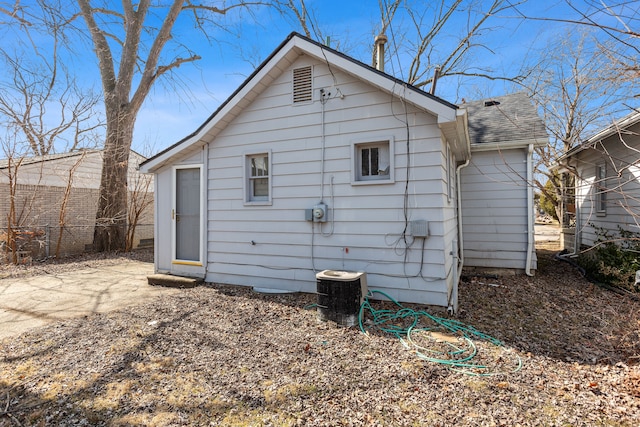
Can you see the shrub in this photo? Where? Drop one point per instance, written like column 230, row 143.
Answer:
column 614, row 258
column 548, row 203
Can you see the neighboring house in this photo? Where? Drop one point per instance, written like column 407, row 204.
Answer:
column 607, row 183
column 317, row 162
column 46, row 185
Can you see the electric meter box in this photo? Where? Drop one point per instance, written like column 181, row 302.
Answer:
column 318, row 213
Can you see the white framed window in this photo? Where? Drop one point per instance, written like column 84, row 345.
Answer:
column 257, row 180
column 373, row 161
column 601, row 189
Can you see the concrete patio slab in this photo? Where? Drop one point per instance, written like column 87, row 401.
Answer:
column 30, row 302
column 547, row 232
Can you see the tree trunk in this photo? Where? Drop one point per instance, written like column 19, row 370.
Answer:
column 111, row 218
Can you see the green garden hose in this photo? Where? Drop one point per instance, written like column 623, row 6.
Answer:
column 456, row 349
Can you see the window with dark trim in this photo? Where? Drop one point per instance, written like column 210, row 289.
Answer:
column 373, row 161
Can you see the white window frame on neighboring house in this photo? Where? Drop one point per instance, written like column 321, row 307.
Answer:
column 372, row 161
column 257, row 178
column 601, row 189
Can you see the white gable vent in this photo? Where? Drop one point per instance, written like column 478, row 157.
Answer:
column 302, row 85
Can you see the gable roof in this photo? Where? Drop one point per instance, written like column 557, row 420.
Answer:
column 614, row 128
column 502, row 121
column 284, row 55
column 4, row 163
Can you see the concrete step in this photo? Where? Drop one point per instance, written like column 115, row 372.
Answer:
column 172, row 281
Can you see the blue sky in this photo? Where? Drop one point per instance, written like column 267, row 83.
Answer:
column 174, row 109
column 351, row 25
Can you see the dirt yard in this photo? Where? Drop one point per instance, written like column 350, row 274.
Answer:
column 219, row 355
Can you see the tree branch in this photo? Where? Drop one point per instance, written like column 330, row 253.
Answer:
column 102, row 49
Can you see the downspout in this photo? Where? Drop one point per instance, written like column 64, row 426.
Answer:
column 459, row 251
column 577, row 227
column 156, row 228
column 577, row 236
column 205, row 199
column 530, row 217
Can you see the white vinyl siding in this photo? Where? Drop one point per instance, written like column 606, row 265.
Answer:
column 622, row 206
column 274, row 246
column 494, row 209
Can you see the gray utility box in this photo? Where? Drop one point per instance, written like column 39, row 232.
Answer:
column 340, row 294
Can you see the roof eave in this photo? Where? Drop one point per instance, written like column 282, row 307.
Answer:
column 496, row 146
column 457, row 134
column 164, row 157
column 614, row 128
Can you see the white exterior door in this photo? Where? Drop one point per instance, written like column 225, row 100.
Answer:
column 187, row 215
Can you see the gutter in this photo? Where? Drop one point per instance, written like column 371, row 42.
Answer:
column 530, row 213
column 488, row 146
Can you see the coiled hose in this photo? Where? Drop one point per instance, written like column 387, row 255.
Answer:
column 439, row 340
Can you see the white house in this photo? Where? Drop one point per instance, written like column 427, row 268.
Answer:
column 607, row 183
column 318, row 161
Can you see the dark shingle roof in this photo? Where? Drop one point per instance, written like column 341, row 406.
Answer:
column 504, row 119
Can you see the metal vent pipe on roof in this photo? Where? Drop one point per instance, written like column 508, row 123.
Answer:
column 436, row 75
column 379, row 42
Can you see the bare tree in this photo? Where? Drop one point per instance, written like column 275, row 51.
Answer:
column 573, row 84
column 140, row 200
column 46, row 106
column 13, row 219
column 615, row 23
column 418, row 31
column 432, row 23
column 584, row 79
column 304, row 18
column 13, row 13
column 39, row 96
column 130, row 44
column 62, row 214
column 42, row 111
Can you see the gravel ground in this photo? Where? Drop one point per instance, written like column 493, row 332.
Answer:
column 221, row 355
